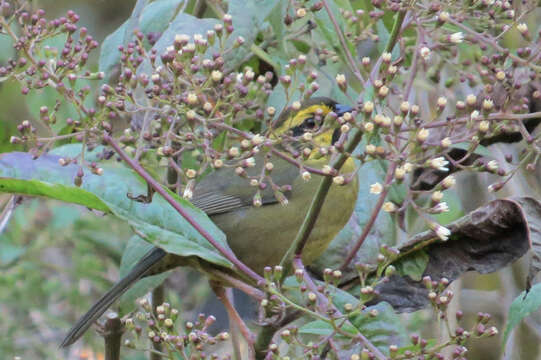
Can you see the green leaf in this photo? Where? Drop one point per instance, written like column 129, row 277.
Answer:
column 109, row 55
column 183, row 24
column 523, row 305
column 74, row 150
column 135, row 250
column 158, row 221
column 326, row 28
column 384, row 228
column 413, row 265
column 384, row 36
column 153, row 17
column 479, row 149
column 382, row 330
column 248, row 20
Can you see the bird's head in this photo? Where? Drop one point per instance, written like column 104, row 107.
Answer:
column 309, row 121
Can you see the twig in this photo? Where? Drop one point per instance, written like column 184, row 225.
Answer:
column 112, row 333
column 373, row 216
column 158, row 298
column 349, row 57
column 324, row 306
column 165, row 194
column 225, row 296
column 309, row 221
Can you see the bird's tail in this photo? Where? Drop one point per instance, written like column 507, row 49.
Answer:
column 151, row 258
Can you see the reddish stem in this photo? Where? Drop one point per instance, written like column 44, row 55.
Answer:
column 160, row 190
column 373, row 216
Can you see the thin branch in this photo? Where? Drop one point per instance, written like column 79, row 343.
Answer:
column 165, row 194
column 349, row 57
column 373, row 216
column 325, row 305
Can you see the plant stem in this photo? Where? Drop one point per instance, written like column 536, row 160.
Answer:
column 167, row 196
column 324, row 305
column 112, row 333
column 373, row 216
column 158, row 298
column 347, row 52
column 317, row 202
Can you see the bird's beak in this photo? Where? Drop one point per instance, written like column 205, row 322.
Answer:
column 341, row 109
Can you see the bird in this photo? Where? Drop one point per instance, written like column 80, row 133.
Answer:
column 259, row 236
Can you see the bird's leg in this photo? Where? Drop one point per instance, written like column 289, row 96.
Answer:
column 225, row 296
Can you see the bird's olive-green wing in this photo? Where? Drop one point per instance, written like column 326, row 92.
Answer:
column 222, row 190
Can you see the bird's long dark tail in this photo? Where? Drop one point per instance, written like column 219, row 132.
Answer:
column 138, row 271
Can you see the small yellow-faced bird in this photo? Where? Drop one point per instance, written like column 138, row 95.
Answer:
column 259, row 236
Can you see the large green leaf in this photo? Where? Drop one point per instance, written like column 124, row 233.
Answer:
column 383, row 230
column 248, row 20
column 158, row 221
column 523, row 305
column 153, row 17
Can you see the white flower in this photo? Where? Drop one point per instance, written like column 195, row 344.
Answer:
column 442, row 101
column 368, row 107
column 405, row 106
column 449, row 182
column 443, row 16
column 182, row 38
column 191, row 98
column 488, row 104
column 484, row 126
column 442, row 232
column 386, row 57
column 306, row 175
column 437, row 196
column 522, row 28
column 370, row 149
column 216, row 75
column 400, row 173
column 376, row 188
column 441, row 208
column 422, row 135
column 471, row 99
column 250, row 162
column 257, row 139
column 341, row 79
column 188, row 193
column 425, row 53
column 338, row 180
column 456, row 38
column 191, row 173
column 474, row 115
column 492, row 165
column 439, row 163
column 389, row 207
column 446, row 142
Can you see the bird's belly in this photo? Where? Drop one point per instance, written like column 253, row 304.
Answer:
column 260, row 236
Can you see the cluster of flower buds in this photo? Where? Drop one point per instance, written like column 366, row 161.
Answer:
column 161, row 327
column 37, row 65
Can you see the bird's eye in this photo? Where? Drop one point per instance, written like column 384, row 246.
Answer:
column 309, row 123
